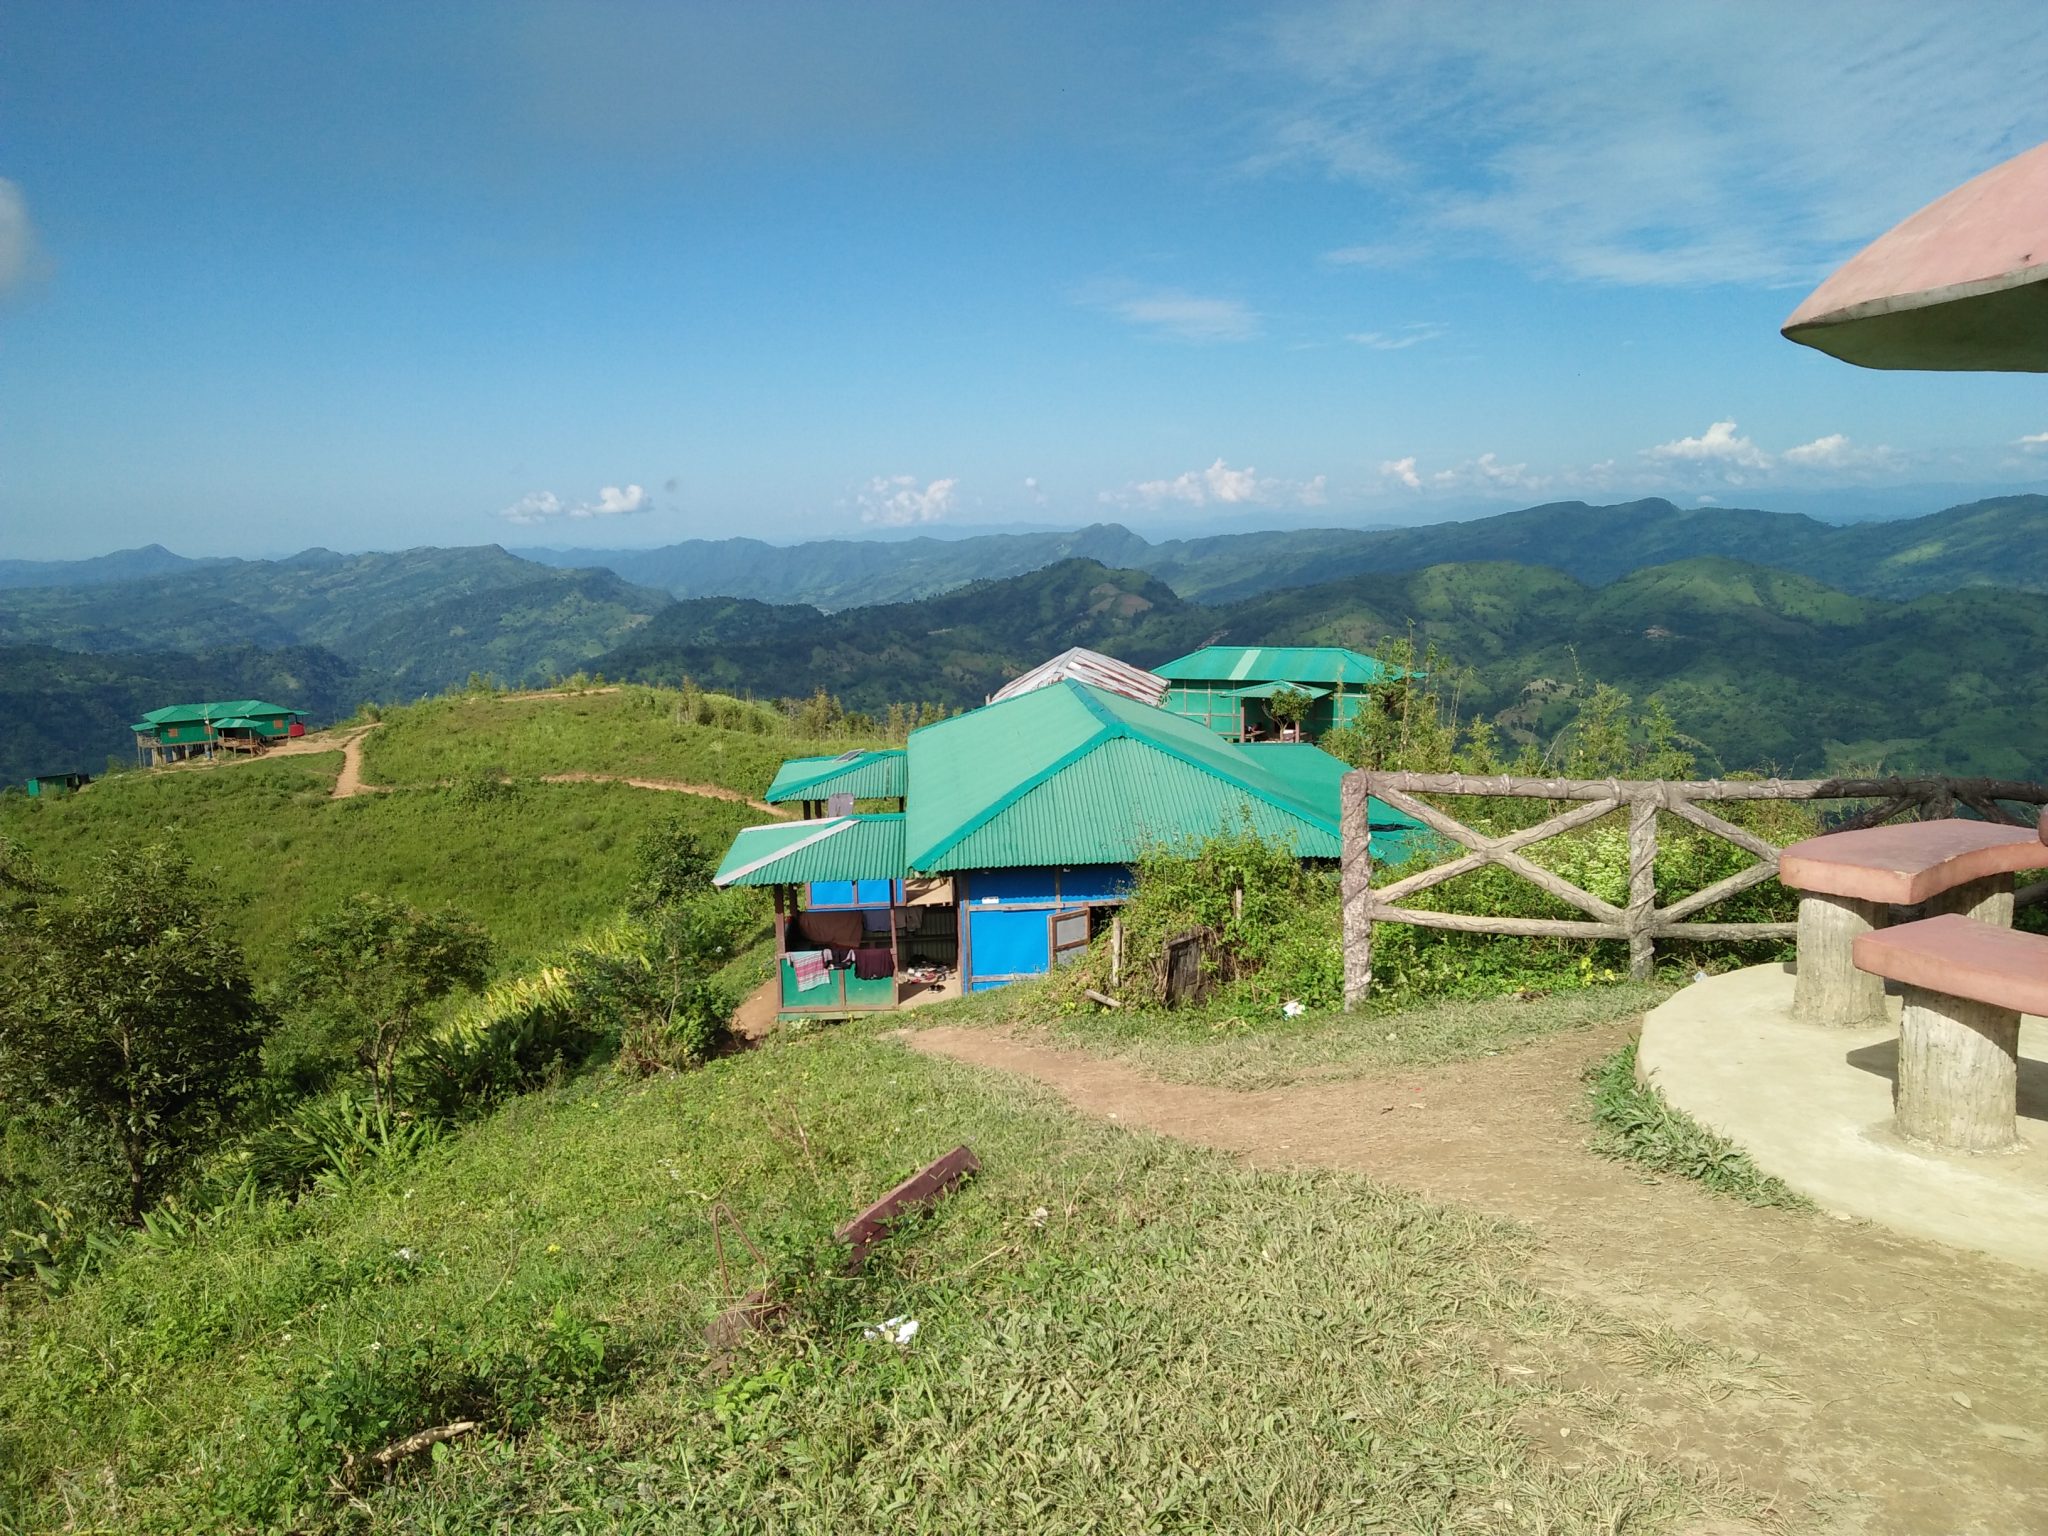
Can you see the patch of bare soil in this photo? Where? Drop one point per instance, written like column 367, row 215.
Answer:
column 672, row 786
column 1898, row 1386
column 755, row 1016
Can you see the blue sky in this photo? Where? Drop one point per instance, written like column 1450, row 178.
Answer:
column 373, row 276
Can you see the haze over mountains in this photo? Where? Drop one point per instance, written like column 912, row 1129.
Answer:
column 1776, row 639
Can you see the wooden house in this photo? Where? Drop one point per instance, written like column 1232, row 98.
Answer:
column 1021, row 823
column 180, row 731
column 1229, row 688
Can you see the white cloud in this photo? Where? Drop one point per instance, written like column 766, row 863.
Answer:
column 1413, row 334
column 1706, row 501
column 544, row 506
column 1762, row 143
column 1173, row 312
column 898, row 501
column 1835, row 451
column 2032, row 440
column 1720, row 446
column 1034, row 491
column 19, row 252
column 1221, row 485
column 1401, row 472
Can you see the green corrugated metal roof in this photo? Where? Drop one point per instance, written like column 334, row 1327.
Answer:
column 1318, row 778
column 1267, row 690
column 866, row 775
column 796, row 852
column 196, row 714
column 1277, row 664
column 1018, row 784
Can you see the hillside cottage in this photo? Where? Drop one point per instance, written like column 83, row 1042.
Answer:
column 180, row 731
column 1019, row 827
column 1229, row 688
column 46, row 786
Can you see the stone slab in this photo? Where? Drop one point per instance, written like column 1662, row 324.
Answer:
column 1813, row 1105
column 1904, row 863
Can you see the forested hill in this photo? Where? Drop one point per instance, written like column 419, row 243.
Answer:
column 2002, row 542
column 413, row 621
column 1769, row 669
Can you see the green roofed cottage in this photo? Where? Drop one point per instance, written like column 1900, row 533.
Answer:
column 1229, row 688
column 180, row 731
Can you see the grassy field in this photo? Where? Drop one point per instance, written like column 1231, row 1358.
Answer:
column 630, row 731
column 1116, row 1333
column 535, row 864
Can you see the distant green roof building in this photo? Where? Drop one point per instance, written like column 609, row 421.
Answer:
column 180, row 730
column 1228, row 688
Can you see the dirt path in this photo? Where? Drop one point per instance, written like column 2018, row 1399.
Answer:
column 1912, row 1377
column 672, row 786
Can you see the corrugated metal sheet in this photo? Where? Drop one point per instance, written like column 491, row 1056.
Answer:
column 1319, row 778
column 1071, row 775
column 867, row 775
column 1116, row 801
column 1276, row 664
column 798, row 852
column 1090, row 667
column 195, row 714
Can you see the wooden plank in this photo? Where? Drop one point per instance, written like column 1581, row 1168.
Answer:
column 1720, row 890
column 928, row 1184
column 1741, row 837
column 1528, row 927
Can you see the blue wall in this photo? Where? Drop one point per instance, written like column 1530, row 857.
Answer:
column 1008, row 913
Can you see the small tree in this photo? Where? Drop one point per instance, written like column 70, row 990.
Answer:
column 125, row 1008
column 379, row 966
column 1289, row 707
column 671, row 864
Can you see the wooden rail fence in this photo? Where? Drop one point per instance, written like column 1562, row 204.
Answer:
column 1641, row 922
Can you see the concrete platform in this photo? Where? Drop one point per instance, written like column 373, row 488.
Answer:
column 1814, row 1106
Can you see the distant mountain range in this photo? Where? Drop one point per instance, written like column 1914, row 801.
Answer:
column 2001, row 542
column 1767, row 668
column 1776, row 638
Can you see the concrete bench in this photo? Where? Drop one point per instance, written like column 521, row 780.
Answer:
column 1849, row 881
column 1966, row 984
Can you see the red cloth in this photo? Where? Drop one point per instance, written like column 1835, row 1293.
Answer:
column 872, row 964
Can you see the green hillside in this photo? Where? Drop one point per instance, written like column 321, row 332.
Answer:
column 410, row 623
column 537, row 864
column 957, row 648
column 1766, row 668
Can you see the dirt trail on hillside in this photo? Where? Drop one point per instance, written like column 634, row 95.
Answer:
column 1912, row 1377
column 671, row 786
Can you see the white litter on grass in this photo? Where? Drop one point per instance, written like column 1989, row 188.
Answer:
column 897, row 1330
column 1293, row 1009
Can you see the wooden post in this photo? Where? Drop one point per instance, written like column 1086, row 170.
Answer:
column 1828, row 988
column 1642, row 888
column 1116, row 950
column 1958, row 1072
column 1356, row 878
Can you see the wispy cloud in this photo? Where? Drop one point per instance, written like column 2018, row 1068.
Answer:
column 1220, row 485
column 19, row 250
column 1173, row 312
column 1681, row 143
column 899, row 501
column 2032, row 440
column 1414, row 334
column 537, row 507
